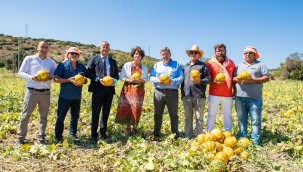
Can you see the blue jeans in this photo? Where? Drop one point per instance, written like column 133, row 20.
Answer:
column 253, row 107
column 63, row 106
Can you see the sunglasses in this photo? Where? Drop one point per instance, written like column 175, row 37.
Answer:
column 249, row 53
column 194, row 52
column 72, row 53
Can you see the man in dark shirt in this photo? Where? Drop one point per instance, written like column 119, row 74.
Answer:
column 193, row 91
column 70, row 92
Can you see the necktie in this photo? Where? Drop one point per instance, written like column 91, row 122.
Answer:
column 104, row 67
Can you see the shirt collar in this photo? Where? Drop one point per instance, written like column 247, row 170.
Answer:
column 104, row 56
column 167, row 63
column 37, row 55
column 256, row 61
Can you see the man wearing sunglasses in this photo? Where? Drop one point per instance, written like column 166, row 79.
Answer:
column 193, row 91
column 220, row 92
column 70, row 92
column 249, row 93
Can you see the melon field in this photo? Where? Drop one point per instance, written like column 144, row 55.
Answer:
column 281, row 148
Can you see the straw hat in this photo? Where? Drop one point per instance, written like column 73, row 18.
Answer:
column 195, row 48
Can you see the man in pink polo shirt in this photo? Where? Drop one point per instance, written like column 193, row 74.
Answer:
column 220, row 92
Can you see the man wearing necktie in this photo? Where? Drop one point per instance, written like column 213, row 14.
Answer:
column 98, row 67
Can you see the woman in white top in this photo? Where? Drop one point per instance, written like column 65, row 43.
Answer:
column 135, row 75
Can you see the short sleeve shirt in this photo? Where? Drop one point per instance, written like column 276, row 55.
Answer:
column 66, row 70
column 256, row 70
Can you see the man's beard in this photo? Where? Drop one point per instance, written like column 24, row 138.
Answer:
column 221, row 58
column 73, row 59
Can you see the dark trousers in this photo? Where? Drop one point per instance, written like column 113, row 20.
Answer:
column 63, row 106
column 100, row 99
column 170, row 99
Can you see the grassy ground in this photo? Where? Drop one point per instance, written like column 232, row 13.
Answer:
column 281, row 148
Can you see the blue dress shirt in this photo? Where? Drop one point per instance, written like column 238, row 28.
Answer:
column 173, row 69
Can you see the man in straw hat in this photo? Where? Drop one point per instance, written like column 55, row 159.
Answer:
column 249, row 93
column 193, row 90
column 220, row 92
column 70, row 92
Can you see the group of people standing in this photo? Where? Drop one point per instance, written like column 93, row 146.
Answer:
column 247, row 94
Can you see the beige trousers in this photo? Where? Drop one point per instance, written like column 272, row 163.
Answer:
column 31, row 99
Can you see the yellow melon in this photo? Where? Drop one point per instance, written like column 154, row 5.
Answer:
column 222, row 156
column 220, row 77
column 230, row 142
column 201, row 138
column 243, row 76
column 244, row 155
column 227, row 134
column 219, row 147
column 244, row 142
column 108, row 81
column 209, row 146
column 164, row 79
column 238, row 150
column 79, row 79
column 210, row 137
column 218, row 134
column 42, row 74
column 136, row 76
column 229, row 151
column 195, row 74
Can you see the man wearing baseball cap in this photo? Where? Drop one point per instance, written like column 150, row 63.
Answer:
column 70, row 92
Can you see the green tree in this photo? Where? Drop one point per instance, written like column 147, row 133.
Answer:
column 12, row 62
column 292, row 68
column 204, row 59
column 122, row 58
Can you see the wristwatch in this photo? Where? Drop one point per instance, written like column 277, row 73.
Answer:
column 97, row 79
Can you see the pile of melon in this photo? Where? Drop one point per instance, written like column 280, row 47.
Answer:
column 218, row 146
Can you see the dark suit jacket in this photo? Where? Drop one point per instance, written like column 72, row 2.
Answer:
column 95, row 69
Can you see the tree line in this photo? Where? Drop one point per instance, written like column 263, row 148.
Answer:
column 292, row 68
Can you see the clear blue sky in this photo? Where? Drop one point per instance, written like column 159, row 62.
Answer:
column 274, row 27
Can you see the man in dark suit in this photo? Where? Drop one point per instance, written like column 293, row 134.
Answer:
column 98, row 67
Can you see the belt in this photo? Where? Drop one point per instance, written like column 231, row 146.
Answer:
column 166, row 89
column 40, row 90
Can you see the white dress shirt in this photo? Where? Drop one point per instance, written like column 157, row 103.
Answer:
column 31, row 65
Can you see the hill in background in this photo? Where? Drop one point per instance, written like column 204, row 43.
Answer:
column 9, row 47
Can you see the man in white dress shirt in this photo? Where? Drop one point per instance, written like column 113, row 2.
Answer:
column 37, row 91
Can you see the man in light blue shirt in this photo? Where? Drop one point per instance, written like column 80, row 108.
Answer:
column 37, row 92
column 166, row 93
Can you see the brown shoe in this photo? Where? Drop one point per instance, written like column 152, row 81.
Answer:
column 134, row 131
column 128, row 132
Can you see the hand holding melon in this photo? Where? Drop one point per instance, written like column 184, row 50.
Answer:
column 42, row 76
column 243, row 76
column 79, row 79
column 107, row 81
column 220, row 78
column 195, row 76
column 164, row 79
